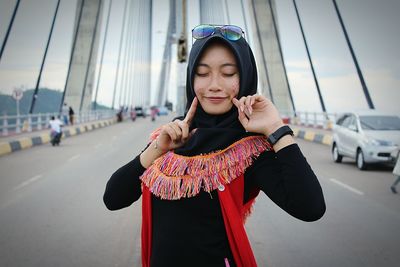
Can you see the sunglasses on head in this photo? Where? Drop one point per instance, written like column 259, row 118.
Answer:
column 230, row 32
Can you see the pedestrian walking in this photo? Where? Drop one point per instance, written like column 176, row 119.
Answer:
column 200, row 174
column 71, row 114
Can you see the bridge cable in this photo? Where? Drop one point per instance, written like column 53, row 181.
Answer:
column 35, row 93
column 119, row 53
column 9, row 28
column 102, row 55
column 309, row 58
column 360, row 75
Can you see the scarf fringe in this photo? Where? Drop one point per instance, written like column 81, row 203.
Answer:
column 174, row 176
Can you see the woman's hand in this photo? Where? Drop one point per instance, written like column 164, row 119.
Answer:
column 258, row 114
column 175, row 134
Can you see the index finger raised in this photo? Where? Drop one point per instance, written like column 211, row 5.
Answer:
column 192, row 110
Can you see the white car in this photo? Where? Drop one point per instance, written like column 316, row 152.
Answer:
column 366, row 136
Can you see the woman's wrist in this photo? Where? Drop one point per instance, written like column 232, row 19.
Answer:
column 151, row 153
column 283, row 142
column 271, row 129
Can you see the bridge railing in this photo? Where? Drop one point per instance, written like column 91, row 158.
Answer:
column 321, row 120
column 15, row 124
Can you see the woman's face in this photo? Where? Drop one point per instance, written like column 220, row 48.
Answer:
column 216, row 80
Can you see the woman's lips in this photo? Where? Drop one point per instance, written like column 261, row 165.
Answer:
column 216, row 99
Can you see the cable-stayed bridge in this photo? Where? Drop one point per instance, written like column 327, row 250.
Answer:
column 51, row 206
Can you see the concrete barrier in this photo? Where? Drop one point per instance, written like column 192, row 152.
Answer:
column 313, row 135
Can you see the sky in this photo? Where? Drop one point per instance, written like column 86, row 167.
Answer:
column 372, row 27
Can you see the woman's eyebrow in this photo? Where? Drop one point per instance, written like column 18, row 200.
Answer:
column 229, row 65
column 222, row 66
column 203, row 65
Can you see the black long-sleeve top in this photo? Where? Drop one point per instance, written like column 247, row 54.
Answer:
column 191, row 231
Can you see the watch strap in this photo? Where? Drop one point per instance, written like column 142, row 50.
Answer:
column 278, row 134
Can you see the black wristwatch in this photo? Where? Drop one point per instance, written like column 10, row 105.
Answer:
column 278, row 134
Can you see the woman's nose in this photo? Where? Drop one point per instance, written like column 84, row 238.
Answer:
column 215, row 84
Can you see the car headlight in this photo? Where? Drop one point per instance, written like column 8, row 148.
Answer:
column 386, row 143
column 377, row 142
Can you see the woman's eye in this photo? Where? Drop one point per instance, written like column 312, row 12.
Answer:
column 229, row 74
column 202, row 74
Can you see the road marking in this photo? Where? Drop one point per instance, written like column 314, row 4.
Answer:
column 33, row 179
column 348, row 187
column 74, row 157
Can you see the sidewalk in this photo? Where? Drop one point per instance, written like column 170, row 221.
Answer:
column 9, row 144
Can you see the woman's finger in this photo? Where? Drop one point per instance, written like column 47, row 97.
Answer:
column 171, row 132
column 248, row 105
column 192, row 110
column 243, row 119
column 253, row 99
column 237, row 104
column 243, row 106
column 241, row 103
column 177, row 128
column 185, row 129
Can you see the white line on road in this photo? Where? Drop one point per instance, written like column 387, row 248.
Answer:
column 348, row 187
column 74, row 157
column 33, row 179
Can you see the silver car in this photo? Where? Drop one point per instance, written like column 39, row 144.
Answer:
column 367, row 136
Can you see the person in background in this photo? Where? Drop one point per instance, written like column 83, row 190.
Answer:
column 154, row 112
column 55, row 130
column 396, row 171
column 64, row 113
column 71, row 115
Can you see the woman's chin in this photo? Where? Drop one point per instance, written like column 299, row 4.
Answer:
column 217, row 110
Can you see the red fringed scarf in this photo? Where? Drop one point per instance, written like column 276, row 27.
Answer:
column 174, row 176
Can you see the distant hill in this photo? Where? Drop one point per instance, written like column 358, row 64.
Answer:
column 48, row 101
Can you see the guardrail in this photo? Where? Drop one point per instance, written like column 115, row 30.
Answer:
column 30, row 122
column 321, row 120
column 15, row 124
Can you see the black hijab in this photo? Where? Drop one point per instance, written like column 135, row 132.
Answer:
column 216, row 132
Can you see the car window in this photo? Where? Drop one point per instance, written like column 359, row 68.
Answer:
column 353, row 123
column 346, row 121
column 341, row 119
column 380, row 123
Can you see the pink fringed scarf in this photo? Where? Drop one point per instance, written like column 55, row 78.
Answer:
column 174, row 176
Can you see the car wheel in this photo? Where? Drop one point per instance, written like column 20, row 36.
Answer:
column 335, row 154
column 360, row 160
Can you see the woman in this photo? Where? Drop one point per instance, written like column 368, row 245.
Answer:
column 201, row 173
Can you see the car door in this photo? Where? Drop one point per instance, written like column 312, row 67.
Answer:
column 343, row 135
column 352, row 137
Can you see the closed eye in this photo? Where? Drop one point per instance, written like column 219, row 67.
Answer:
column 229, row 74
